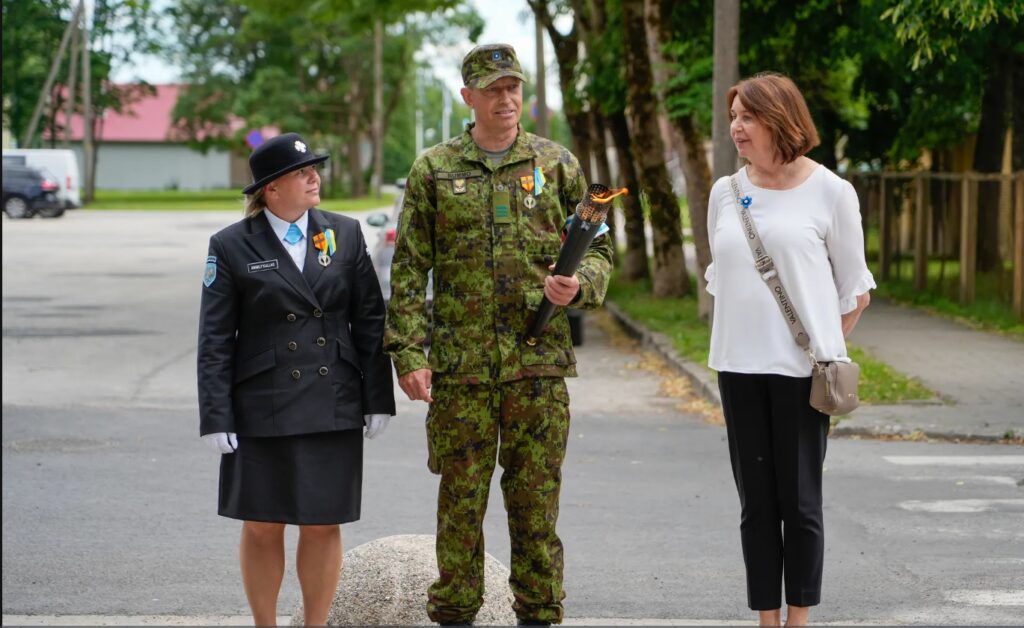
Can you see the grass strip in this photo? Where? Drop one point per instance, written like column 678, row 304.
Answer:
column 677, row 318
column 213, row 200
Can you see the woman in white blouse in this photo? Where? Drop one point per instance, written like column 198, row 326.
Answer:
column 809, row 221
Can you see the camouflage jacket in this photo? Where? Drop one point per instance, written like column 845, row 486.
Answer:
column 489, row 261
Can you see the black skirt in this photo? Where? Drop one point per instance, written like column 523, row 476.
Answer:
column 309, row 479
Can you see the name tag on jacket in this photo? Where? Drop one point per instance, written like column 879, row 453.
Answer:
column 259, row 267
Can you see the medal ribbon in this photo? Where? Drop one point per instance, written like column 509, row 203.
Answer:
column 325, row 242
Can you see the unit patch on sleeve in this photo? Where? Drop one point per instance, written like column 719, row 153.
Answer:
column 210, row 274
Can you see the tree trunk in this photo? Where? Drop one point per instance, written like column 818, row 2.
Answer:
column 355, row 165
column 827, row 133
column 354, row 137
column 698, row 190
column 726, row 73
column 988, row 157
column 567, row 53
column 579, row 125
column 670, row 276
column 542, row 88
column 1017, row 106
column 635, row 264
column 694, row 164
column 599, row 147
column 378, row 106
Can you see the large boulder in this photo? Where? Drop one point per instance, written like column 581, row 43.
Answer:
column 384, row 582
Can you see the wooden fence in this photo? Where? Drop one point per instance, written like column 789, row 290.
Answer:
column 936, row 214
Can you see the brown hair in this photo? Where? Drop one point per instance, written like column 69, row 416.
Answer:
column 255, row 202
column 776, row 102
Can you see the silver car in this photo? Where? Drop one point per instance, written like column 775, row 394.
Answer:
column 383, row 250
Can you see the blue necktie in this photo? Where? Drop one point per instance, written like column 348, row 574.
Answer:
column 294, row 234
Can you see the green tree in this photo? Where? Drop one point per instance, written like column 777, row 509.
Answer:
column 308, row 69
column 991, row 32
column 32, row 30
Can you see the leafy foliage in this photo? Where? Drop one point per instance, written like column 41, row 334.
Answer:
column 32, row 31
column 304, row 68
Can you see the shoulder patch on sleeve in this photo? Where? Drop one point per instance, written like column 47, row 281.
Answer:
column 210, row 274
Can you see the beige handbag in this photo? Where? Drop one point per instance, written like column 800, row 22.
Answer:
column 833, row 384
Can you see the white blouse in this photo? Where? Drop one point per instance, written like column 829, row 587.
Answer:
column 814, row 234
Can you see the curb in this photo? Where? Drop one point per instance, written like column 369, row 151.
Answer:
column 703, row 382
column 905, row 433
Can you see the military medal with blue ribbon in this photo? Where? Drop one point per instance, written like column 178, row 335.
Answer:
column 526, row 182
column 534, row 185
column 324, row 242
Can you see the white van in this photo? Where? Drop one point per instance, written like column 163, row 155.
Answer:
column 59, row 164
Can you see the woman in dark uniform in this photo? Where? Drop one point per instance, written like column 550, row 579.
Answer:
column 291, row 373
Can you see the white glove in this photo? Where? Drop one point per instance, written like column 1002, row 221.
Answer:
column 375, row 424
column 223, row 442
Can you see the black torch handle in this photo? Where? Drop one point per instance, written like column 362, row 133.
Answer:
column 577, row 240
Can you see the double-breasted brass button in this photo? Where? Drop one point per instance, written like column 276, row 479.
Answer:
column 321, row 341
column 324, row 370
column 296, row 374
column 291, row 318
column 317, row 313
column 293, row 345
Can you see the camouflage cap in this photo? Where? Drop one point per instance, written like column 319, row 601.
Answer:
column 486, row 64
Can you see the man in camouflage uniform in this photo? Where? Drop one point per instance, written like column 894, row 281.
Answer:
column 485, row 212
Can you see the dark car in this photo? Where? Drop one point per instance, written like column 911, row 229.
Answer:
column 384, row 250
column 27, row 193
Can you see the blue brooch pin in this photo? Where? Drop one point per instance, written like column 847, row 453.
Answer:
column 746, row 201
column 496, row 56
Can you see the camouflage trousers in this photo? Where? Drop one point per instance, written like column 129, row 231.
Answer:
column 525, row 425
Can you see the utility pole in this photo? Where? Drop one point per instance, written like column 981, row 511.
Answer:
column 30, row 131
column 725, row 74
column 542, row 90
column 378, row 106
column 88, row 190
column 69, row 106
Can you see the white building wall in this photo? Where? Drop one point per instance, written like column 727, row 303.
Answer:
column 124, row 166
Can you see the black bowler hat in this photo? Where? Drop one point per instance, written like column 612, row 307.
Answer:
column 279, row 156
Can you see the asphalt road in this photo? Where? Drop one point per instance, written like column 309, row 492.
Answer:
column 109, row 495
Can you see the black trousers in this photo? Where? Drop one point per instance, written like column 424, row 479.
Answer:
column 777, row 448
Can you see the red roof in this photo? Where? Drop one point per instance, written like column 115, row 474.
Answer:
column 147, row 120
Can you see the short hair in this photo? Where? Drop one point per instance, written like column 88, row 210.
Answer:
column 776, row 102
column 255, row 202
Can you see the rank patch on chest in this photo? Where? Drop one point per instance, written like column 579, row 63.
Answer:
column 458, row 186
column 259, row 267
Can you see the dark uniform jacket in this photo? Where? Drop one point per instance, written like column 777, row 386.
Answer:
column 284, row 352
column 488, row 233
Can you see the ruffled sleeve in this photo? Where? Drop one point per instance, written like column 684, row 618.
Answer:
column 845, row 242
column 710, row 276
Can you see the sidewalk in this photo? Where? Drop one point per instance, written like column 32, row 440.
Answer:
column 979, row 376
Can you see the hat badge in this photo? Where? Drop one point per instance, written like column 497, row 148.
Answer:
column 299, row 146
column 495, row 56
